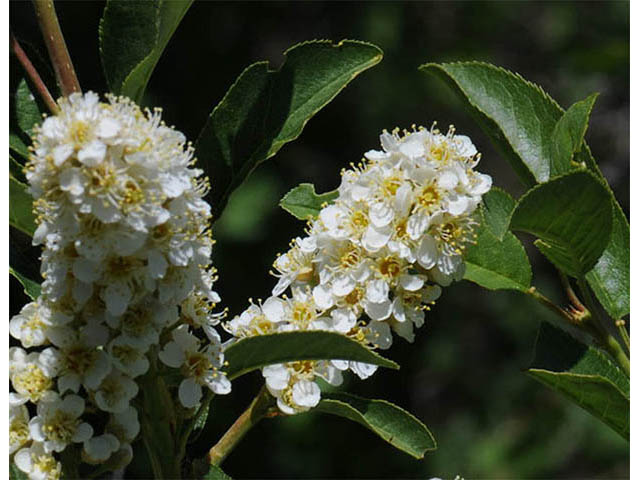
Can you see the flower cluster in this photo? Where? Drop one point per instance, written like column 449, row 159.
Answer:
column 375, row 259
column 126, row 259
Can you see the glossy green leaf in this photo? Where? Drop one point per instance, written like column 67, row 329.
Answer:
column 497, row 206
column 583, row 374
column 265, row 109
column 571, row 216
column 20, row 207
column 498, row 264
column 304, row 203
column 497, row 260
column 568, row 134
column 610, row 278
column 520, row 117
column 133, row 35
column 28, row 113
column 390, row 422
column 517, row 115
column 251, row 353
column 25, row 113
column 216, row 473
column 31, row 288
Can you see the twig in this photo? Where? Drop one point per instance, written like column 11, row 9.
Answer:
column 58, row 53
column 33, row 74
column 624, row 334
column 258, row 409
column 606, row 340
column 566, row 315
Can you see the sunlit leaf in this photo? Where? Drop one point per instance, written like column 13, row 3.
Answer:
column 390, row 422
column 251, row 353
column 304, row 203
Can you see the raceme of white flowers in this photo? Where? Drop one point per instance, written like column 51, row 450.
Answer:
column 375, row 259
column 127, row 279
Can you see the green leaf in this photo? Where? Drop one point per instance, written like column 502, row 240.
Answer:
column 390, row 422
column 264, row 109
column 498, row 264
column 25, row 114
column 216, row 473
column 497, row 260
column 15, row 169
column 583, row 374
column 517, row 115
column 31, row 288
column 133, row 35
column 571, row 216
column 20, row 207
column 251, row 353
column 568, row 134
column 497, row 206
column 520, row 118
column 15, row 473
column 609, row 279
column 304, row 203
column 201, row 421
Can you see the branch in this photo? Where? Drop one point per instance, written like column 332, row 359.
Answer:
column 258, row 409
column 58, row 53
column 33, row 75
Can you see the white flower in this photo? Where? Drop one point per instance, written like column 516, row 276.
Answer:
column 31, row 376
column 115, row 392
column 18, row 427
column 374, row 260
column 124, row 425
column 37, row 463
column 58, row 423
column 98, row 449
column 80, row 362
column 30, row 325
column 200, row 366
column 293, row 384
column 126, row 356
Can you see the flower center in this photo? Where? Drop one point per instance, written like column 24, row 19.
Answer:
column 350, row 258
column 359, row 220
column 32, row 381
column 429, row 198
column 78, row 359
column 303, row 368
column 61, row 427
column 303, row 314
column 18, row 432
column 355, row 296
column 125, row 353
column 198, row 364
column 136, row 322
column 79, row 132
column 390, row 267
column 48, row 465
column 390, row 186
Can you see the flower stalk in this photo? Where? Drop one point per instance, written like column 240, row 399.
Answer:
column 57, row 47
column 33, row 75
column 259, row 409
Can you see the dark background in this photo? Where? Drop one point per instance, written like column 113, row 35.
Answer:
column 462, row 376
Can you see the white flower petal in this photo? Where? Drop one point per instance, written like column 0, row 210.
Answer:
column 189, row 392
